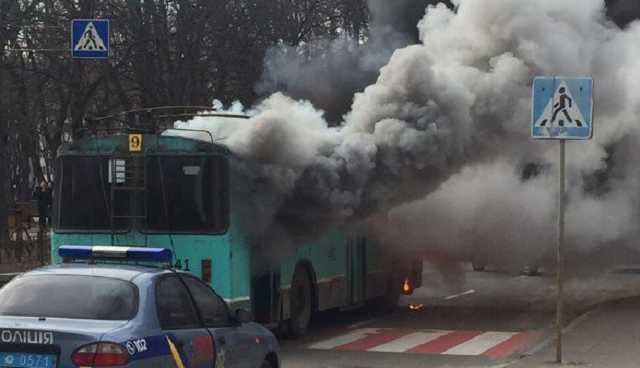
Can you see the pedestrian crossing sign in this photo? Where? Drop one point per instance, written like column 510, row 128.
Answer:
column 562, row 108
column 90, row 38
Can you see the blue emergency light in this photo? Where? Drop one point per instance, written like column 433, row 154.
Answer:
column 160, row 255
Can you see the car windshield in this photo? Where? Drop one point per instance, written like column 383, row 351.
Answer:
column 69, row 296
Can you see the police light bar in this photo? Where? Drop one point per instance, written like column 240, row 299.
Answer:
column 160, row 255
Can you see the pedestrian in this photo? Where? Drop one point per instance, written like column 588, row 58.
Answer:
column 45, row 199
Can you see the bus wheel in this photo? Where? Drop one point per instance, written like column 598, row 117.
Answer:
column 301, row 303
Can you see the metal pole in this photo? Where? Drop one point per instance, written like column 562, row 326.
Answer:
column 41, row 243
column 560, row 258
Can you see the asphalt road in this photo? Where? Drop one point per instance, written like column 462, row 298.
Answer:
column 489, row 319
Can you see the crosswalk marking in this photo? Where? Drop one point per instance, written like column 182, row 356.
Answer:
column 344, row 339
column 480, row 343
column 407, row 342
column 444, row 343
column 375, row 339
column 492, row 344
column 512, row 345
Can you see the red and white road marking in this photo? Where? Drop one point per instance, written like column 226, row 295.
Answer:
column 395, row 340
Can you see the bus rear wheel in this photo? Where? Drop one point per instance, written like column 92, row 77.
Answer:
column 301, row 304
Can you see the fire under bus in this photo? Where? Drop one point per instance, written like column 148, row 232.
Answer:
column 142, row 189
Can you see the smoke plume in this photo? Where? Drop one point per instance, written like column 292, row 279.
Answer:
column 328, row 72
column 448, row 122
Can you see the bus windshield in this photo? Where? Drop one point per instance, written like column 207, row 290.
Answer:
column 83, row 195
column 181, row 194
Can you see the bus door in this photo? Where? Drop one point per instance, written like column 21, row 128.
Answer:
column 357, row 252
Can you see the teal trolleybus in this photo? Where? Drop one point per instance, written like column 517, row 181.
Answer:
column 157, row 190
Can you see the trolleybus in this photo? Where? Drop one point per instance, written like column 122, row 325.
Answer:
column 141, row 188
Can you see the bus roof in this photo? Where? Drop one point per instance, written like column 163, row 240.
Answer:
column 151, row 143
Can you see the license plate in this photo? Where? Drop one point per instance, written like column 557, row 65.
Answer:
column 25, row 360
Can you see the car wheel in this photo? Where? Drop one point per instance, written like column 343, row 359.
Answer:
column 479, row 260
column 531, row 270
column 478, row 267
column 301, row 303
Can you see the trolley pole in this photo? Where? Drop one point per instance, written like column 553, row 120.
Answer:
column 560, row 256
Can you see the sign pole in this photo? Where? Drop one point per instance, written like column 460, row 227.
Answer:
column 562, row 108
column 560, row 257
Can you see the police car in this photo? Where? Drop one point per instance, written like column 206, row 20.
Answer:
column 84, row 313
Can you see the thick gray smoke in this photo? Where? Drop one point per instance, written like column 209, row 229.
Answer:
column 449, row 119
column 328, row 72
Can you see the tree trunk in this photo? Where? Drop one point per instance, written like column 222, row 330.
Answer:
column 4, row 182
column 4, row 173
column 6, row 8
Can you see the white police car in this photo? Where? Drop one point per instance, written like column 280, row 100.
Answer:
column 84, row 314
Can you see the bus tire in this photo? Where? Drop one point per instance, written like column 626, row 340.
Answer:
column 301, row 303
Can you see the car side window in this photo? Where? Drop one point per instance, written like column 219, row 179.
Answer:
column 213, row 309
column 175, row 309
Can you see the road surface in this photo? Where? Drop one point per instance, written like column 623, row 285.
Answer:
column 489, row 320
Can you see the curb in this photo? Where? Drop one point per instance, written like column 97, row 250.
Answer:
column 6, row 277
column 552, row 338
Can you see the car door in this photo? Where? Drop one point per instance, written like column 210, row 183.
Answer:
column 180, row 322
column 235, row 346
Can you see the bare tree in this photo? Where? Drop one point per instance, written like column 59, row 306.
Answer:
column 7, row 12
column 164, row 52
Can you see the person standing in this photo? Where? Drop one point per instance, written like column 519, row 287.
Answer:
column 45, row 199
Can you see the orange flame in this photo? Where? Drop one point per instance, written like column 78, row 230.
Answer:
column 407, row 287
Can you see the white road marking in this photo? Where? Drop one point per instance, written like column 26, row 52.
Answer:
column 359, row 324
column 480, row 343
column 407, row 342
column 459, row 295
column 344, row 339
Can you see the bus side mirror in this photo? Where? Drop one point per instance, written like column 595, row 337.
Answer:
column 243, row 316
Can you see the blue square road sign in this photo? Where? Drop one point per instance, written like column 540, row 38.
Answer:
column 562, row 108
column 90, row 38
